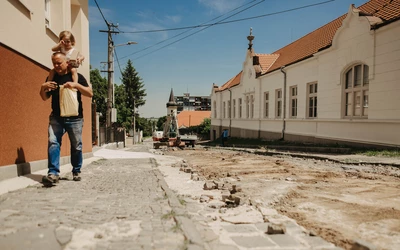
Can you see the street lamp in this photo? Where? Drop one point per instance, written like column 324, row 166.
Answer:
column 110, row 99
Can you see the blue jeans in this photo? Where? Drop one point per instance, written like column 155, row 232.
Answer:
column 57, row 128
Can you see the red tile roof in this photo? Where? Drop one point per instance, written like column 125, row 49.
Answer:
column 232, row 82
column 266, row 61
column 192, row 118
column 319, row 39
column 322, row 38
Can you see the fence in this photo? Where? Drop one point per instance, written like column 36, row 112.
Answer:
column 110, row 135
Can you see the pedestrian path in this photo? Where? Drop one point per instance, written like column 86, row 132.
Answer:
column 119, row 204
column 136, row 200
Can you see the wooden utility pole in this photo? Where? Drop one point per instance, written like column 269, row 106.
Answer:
column 110, row 71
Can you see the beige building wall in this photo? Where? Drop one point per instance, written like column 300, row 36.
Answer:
column 25, row 59
column 24, row 28
column 353, row 43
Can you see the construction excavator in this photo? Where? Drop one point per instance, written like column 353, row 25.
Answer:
column 171, row 137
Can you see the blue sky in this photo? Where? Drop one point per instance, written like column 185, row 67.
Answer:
column 213, row 55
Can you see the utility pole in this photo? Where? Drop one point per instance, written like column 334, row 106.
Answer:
column 110, row 71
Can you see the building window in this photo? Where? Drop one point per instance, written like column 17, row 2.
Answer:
column 234, row 108
column 229, row 109
column 224, row 109
column 247, row 107
column 47, row 13
column 240, row 107
column 356, row 91
column 293, row 101
column 251, row 106
column 215, row 109
column 278, row 103
column 312, row 100
column 266, row 104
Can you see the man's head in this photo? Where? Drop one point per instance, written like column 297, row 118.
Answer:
column 60, row 63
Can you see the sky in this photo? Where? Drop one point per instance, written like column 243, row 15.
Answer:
column 186, row 61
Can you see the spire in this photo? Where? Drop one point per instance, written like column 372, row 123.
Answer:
column 171, row 96
column 250, row 38
column 171, row 101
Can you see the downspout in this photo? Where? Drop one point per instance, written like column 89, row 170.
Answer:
column 284, row 103
column 230, row 110
column 260, row 105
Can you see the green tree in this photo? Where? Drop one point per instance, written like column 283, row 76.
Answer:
column 124, row 114
column 160, row 123
column 144, row 125
column 204, row 127
column 99, row 85
column 134, row 88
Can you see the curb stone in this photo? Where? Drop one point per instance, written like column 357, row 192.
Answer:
column 181, row 217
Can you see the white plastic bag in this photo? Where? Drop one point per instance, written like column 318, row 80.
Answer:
column 69, row 105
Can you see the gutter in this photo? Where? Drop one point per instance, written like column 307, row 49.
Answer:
column 284, row 103
column 230, row 110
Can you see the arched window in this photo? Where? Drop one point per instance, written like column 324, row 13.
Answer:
column 356, row 85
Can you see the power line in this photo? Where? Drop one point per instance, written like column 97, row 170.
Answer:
column 116, row 56
column 101, row 13
column 243, row 19
column 190, row 29
column 232, row 21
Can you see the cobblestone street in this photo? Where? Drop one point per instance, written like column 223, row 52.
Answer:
column 119, row 204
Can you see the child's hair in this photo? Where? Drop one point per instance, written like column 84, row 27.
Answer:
column 67, row 33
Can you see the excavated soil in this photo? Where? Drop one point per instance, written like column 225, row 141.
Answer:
column 337, row 201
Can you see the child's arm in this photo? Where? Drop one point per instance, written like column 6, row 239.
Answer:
column 58, row 46
column 80, row 58
column 74, row 73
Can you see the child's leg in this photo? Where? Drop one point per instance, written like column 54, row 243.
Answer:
column 74, row 73
column 51, row 75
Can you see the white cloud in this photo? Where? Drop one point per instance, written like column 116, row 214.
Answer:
column 95, row 18
column 174, row 19
column 221, row 6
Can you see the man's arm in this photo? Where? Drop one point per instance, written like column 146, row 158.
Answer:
column 46, row 88
column 85, row 90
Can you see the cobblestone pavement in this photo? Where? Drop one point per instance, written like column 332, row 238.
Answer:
column 128, row 200
column 119, row 204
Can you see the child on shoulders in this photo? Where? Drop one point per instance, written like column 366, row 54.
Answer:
column 66, row 46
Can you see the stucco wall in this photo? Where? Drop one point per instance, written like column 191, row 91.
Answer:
column 353, row 43
column 23, row 127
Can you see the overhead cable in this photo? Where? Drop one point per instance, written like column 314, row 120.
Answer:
column 190, row 29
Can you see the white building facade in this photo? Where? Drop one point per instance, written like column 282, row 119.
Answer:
column 345, row 91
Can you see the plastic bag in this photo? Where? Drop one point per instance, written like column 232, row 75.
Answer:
column 69, row 105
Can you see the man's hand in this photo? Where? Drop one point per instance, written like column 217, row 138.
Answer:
column 70, row 85
column 49, row 86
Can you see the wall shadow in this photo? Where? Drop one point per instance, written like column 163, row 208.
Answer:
column 24, row 168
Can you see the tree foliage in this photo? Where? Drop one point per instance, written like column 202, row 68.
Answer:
column 204, row 127
column 134, row 87
column 128, row 97
column 160, row 123
column 99, row 85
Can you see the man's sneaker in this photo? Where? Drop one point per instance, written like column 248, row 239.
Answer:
column 76, row 176
column 50, row 180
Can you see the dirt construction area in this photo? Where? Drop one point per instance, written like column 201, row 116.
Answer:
column 340, row 201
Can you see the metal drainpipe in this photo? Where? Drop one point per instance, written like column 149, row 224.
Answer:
column 230, row 110
column 284, row 103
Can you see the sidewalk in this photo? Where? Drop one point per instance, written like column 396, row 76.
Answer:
column 119, row 204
